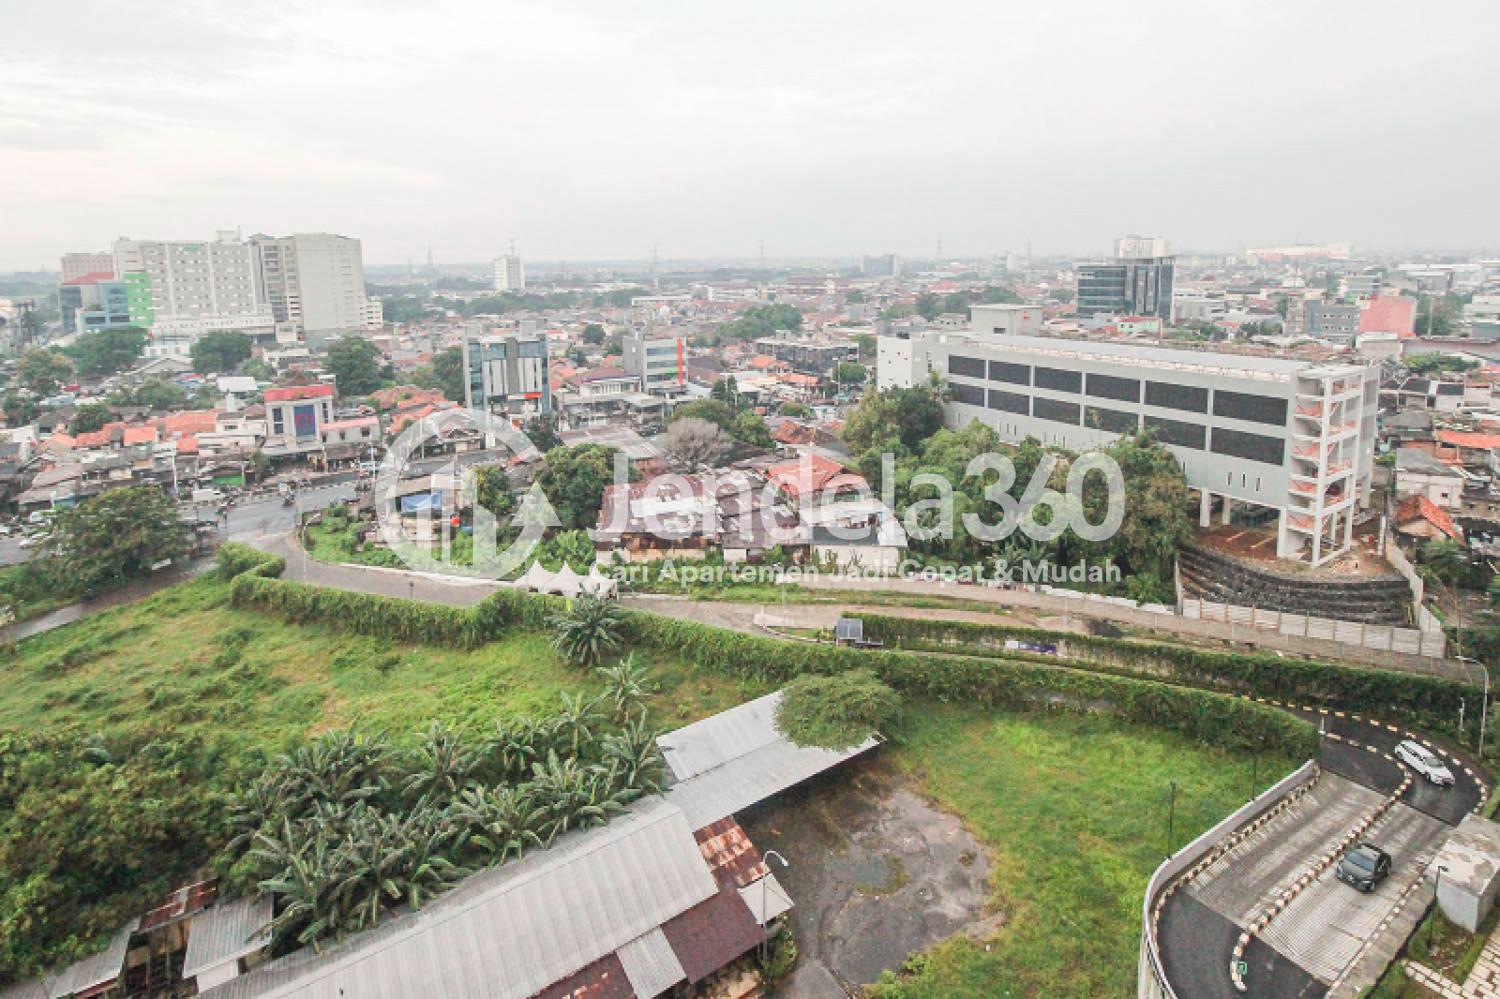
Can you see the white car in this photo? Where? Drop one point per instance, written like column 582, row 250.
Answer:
column 1425, row 762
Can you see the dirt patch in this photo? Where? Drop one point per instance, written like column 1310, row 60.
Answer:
column 877, row 873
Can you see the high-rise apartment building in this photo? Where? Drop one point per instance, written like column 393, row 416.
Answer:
column 78, row 265
column 510, row 273
column 1137, row 281
column 194, row 279
column 314, row 281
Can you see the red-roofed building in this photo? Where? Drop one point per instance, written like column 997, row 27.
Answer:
column 810, row 475
column 1419, row 517
column 294, row 418
column 1389, row 314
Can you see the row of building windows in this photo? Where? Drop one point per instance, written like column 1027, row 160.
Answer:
column 1246, row 406
column 1232, row 443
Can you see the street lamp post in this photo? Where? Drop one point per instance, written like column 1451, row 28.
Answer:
column 1484, row 705
column 1171, row 816
column 764, row 888
column 1437, row 905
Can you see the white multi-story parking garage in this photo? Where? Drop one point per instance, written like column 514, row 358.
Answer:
column 1289, row 436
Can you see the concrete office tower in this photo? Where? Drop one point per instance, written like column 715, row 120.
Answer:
column 314, row 281
column 78, row 265
column 506, row 374
column 1280, row 434
column 510, row 273
column 1137, row 282
column 880, row 265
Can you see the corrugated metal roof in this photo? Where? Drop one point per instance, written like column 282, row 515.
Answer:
column 650, row 964
column 508, row 932
column 753, row 777
column 226, row 932
column 24, row 990
column 94, row 970
column 712, row 933
column 766, row 899
column 716, row 740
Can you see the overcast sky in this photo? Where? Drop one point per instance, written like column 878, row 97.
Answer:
column 595, row 130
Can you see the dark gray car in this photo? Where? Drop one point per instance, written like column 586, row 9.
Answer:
column 1364, row 867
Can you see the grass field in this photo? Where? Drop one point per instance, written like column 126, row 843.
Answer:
column 185, row 657
column 1074, row 811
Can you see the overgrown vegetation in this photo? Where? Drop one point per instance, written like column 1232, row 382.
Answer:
column 836, row 712
column 346, row 827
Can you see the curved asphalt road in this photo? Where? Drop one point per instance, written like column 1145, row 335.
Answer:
column 1196, row 941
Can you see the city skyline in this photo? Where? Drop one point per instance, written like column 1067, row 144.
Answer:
column 709, row 132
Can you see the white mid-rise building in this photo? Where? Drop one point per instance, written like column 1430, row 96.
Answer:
column 193, row 279
column 315, row 281
column 1291, row 436
column 510, row 272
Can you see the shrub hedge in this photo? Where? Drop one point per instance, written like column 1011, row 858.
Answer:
column 1429, row 699
column 1206, row 716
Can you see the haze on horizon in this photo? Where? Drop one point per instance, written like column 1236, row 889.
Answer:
column 593, row 131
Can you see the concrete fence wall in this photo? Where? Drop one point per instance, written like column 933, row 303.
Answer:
column 1379, row 637
column 1152, row 978
column 1315, row 642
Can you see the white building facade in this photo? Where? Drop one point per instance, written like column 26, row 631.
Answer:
column 1250, row 431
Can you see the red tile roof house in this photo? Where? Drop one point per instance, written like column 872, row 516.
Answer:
column 1419, row 517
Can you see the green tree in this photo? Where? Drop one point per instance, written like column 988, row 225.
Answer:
column 494, row 491
column 42, row 370
column 107, row 351
column 715, row 411
column 355, row 364
column 574, row 479
column 727, row 391
column 929, row 305
column 856, row 296
column 868, row 344
column 153, row 393
column 750, row 428
column 850, row 373
column 587, row 630
column 117, row 536
column 446, row 374
column 1000, row 294
column 910, row 415
column 19, row 409
column 542, row 432
column 796, row 410
column 837, row 712
column 90, row 417
column 593, row 333
column 220, row 352
column 259, row 370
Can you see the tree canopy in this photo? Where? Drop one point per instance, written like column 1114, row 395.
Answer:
column 117, row 536
column 445, row 373
column 355, row 364
column 89, row 418
column 220, row 352
column 107, row 351
column 43, row 369
column 574, row 479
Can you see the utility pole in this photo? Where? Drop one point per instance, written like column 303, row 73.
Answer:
column 1171, row 816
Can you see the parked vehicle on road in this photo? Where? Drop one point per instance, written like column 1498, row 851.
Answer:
column 1425, row 762
column 1364, row 867
column 207, row 496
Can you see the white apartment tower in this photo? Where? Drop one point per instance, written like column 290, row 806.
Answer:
column 193, row 279
column 510, row 273
column 314, row 281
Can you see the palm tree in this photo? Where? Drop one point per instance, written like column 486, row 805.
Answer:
column 632, row 754
column 587, row 629
column 495, row 824
column 625, row 686
column 574, row 725
column 440, row 766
